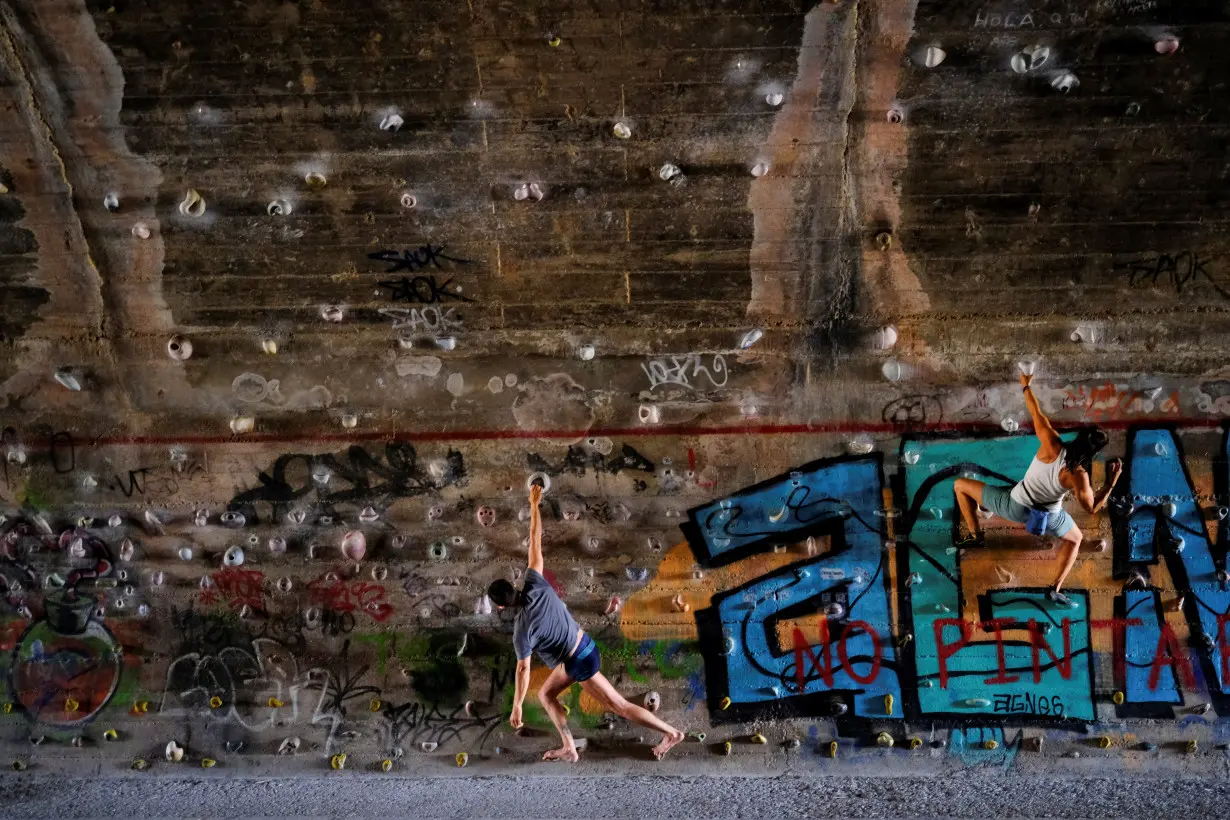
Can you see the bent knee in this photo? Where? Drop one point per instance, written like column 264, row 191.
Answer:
column 1074, row 536
column 968, row 486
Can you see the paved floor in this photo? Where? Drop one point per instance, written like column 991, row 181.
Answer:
column 971, row 794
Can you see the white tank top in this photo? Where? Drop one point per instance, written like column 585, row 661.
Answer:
column 1040, row 488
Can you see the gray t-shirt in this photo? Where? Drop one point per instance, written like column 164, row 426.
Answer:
column 544, row 625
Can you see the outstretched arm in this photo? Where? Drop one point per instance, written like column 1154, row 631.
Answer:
column 535, row 561
column 1084, row 493
column 1047, row 437
column 523, row 686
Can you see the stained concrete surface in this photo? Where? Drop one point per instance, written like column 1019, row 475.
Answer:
column 972, row 794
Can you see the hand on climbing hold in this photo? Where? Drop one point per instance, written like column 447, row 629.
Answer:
column 535, row 493
column 514, row 719
column 1026, row 378
column 1113, row 468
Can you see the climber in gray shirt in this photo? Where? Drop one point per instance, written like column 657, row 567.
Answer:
column 544, row 625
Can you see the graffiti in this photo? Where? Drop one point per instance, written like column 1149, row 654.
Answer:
column 578, row 460
column 359, row 477
column 1109, row 401
column 417, row 259
column 1028, row 19
column 60, row 448
column 135, row 482
column 744, row 660
column 332, row 594
column 681, row 370
column 428, row 319
column 422, row 289
column 910, row 411
column 1177, row 272
column 236, row 587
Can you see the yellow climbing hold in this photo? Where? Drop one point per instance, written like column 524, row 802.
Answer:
column 71, row 705
column 726, row 747
column 111, row 734
column 8, row 708
column 140, row 764
column 990, row 745
column 1118, row 698
column 1192, row 747
column 215, row 702
column 833, row 749
column 19, row 766
column 884, row 739
column 462, row 760
column 338, row 761
column 274, row 703
column 725, row 704
column 1104, row 742
column 143, row 706
column 386, row 765
column 888, row 704
column 567, row 711
column 208, row 763
column 375, row 705
column 759, row 738
column 915, row 742
column 554, row 41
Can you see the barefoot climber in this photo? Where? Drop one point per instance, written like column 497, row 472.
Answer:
column 1057, row 468
column 545, row 626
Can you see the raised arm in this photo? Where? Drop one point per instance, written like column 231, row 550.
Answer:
column 535, row 561
column 1091, row 502
column 1047, row 437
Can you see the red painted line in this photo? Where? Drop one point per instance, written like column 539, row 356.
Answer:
column 677, row 431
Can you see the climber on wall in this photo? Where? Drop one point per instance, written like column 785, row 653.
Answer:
column 1037, row 499
column 545, row 626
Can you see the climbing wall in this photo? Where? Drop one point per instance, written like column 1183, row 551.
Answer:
column 298, row 298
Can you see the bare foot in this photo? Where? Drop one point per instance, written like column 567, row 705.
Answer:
column 563, row 753
column 668, row 742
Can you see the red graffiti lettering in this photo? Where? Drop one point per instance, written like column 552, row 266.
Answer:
column 1170, row 653
column 998, row 625
column 1222, row 648
column 801, row 647
column 1118, row 627
column 1037, row 642
column 335, row 595
column 876, row 651
column 238, row 587
column 944, row 651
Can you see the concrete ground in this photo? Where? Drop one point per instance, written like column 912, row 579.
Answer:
column 969, row 794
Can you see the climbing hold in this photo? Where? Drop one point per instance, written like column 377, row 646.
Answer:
column 174, row 752
column 833, row 748
column 1118, row 698
column 193, row 204
column 279, row 207
column 315, row 180
column 554, row 40
column 990, row 745
column 727, row 747
column 375, row 705
column 622, row 131
column 242, row 424
column 275, row 703
column 233, row 557
column 793, row 743
column 680, row 604
column 111, row 734
column 208, row 763
column 725, row 704
column 751, row 337
column 934, row 56
column 354, row 546
column 428, row 746
column 140, row 230
column 289, row 746
column 140, row 764
column 1192, row 747
column 71, row 705
column 66, row 378
column 915, row 743
column 653, row 701
column 1171, row 509
column 1166, row 44
column 613, row 605
column 759, row 738
column 884, row 739
column 913, row 579
column 888, row 704
column 894, row 115
column 1009, row 424
column 215, row 702
column 760, row 169
column 1201, row 709
column 391, row 122
column 669, row 171
column 462, row 759
column 338, row 761
column 1099, row 545
column 1104, row 742
column 1065, row 82
column 332, row 313
column 1030, row 59
column 179, row 348
column 386, row 765
column 586, row 352
column 975, row 703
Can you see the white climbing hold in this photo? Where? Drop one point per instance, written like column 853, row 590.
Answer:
column 279, row 207
column 622, row 131
column 934, row 56
column 392, row 122
column 751, row 337
column 193, row 204
column 233, row 557
column 354, row 546
column 242, row 424
column 1065, row 82
column 179, row 348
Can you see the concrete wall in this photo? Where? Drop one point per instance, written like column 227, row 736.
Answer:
column 748, row 282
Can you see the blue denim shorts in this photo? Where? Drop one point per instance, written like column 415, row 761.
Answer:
column 584, row 663
column 999, row 501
